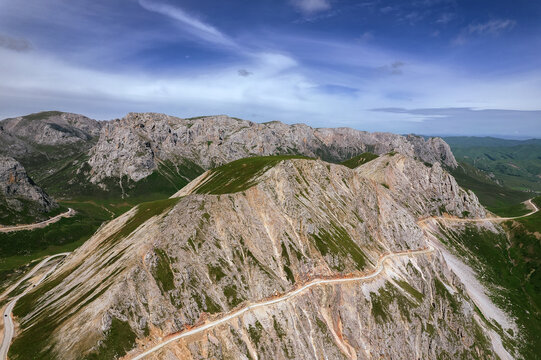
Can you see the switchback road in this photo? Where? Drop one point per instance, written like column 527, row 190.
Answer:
column 8, row 321
column 42, row 224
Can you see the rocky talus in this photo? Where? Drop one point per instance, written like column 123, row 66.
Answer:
column 250, row 230
column 135, row 145
column 20, row 199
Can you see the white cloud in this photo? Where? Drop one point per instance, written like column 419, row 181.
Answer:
column 309, row 7
column 366, row 36
column 190, row 23
column 493, row 27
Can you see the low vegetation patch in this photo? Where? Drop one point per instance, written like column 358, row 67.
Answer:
column 144, row 212
column 162, row 272
column 496, row 198
column 359, row 160
column 119, row 339
column 336, row 241
column 240, row 175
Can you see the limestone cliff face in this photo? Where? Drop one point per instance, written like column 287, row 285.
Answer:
column 20, row 198
column 225, row 241
column 426, row 190
column 134, row 145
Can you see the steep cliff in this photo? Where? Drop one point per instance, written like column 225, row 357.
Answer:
column 253, row 229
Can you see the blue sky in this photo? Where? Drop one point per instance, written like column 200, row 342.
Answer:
column 444, row 67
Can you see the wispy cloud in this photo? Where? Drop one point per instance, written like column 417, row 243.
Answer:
column 445, row 18
column 309, row 7
column 366, row 36
column 189, row 22
column 395, row 68
column 493, row 27
column 15, row 44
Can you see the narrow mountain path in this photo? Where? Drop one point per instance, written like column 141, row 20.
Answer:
column 494, row 218
column 38, row 225
column 8, row 320
column 379, row 268
column 289, row 295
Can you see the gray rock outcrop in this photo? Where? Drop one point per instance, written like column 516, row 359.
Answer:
column 22, row 136
column 20, row 198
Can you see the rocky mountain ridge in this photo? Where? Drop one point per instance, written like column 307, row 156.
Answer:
column 20, row 198
column 69, row 153
column 135, row 145
column 226, row 240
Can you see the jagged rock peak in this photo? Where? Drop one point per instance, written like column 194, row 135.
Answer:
column 134, row 146
column 426, row 189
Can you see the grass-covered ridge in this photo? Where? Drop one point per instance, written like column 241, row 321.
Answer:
column 143, row 212
column 42, row 115
column 240, row 175
column 359, row 160
column 36, row 337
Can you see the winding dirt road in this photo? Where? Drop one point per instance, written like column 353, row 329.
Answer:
column 494, row 218
column 8, row 326
column 379, row 268
column 6, row 316
column 42, row 224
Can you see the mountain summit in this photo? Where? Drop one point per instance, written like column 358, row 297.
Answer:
column 254, row 229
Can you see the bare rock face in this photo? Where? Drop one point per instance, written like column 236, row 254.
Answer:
column 426, row 190
column 20, row 198
column 248, row 231
column 134, row 145
column 53, row 128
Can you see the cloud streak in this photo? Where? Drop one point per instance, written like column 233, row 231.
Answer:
column 493, row 27
column 189, row 22
column 310, row 7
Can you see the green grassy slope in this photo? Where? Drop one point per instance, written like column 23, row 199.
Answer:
column 30, row 213
column 35, row 340
column 359, row 160
column 71, row 182
column 240, row 175
column 93, row 205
